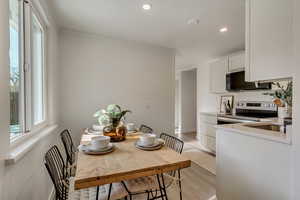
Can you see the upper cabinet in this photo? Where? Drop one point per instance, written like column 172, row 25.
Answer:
column 236, row 62
column 268, row 39
column 218, row 70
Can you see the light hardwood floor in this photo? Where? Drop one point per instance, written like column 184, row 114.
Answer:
column 194, row 151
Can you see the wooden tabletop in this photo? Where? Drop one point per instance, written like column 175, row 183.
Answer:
column 124, row 163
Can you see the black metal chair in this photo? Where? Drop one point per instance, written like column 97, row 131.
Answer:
column 145, row 129
column 172, row 142
column 152, row 184
column 70, row 150
column 177, row 145
column 64, row 187
column 58, row 173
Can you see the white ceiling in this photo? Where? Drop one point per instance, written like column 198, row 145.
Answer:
column 165, row 24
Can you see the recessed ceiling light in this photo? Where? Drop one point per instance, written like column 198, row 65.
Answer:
column 147, row 6
column 223, row 30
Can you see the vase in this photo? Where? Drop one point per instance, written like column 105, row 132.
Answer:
column 117, row 132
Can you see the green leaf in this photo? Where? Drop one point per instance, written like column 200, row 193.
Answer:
column 123, row 113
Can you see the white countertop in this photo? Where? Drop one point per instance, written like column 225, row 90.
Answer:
column 209, row 113
column 256, row 132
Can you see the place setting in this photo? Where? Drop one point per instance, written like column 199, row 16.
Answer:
column 131, row 128
column 149, row 142
column 98, row 145
column 94, row 130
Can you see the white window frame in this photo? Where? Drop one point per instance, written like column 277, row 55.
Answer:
column 39, row 126
column 28, row 127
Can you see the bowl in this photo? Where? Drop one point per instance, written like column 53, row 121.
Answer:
column 147, row 139
column 100, row 142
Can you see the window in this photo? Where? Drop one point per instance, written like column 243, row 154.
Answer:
column 27, row 81
column 15, row 72
column 37, row 71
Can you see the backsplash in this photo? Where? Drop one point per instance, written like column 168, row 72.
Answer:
column 250, row 95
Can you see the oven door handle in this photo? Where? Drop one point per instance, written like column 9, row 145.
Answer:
column 224, row 119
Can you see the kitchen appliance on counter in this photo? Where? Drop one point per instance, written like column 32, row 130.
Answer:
column 256, row 111
column 249, row 111
column 236, row 82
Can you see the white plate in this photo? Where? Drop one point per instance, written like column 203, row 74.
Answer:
column 149, row 148
column 91, row 131
column 158, row 142
column 132, row 131
column 89, row 150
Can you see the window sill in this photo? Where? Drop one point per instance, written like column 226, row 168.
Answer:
column 21, row 150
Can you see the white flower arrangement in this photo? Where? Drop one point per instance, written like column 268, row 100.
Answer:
column 111, row 116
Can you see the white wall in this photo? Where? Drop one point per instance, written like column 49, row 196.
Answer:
column 4, row 90
column 296, row 109
column 97, row 71
column 188, row 101
column 27, row 179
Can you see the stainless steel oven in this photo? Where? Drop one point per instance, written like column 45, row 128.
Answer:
column 249, row 111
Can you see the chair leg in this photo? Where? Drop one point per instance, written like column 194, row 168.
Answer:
column 129, row 193
column 148, row 195
column 97, row 193
column 109, row 192
column 164, row 186
column 180, row 190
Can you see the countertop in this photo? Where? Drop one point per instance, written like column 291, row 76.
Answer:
column 209, row 113
column 275, row 136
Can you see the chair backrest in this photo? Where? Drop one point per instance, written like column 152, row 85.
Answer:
column 175, row 144
column 69, row 146
column 172, row 142
column 57, row 170
column 145, row 129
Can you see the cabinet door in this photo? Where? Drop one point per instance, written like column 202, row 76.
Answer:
column 209, row 143
column 236, row 62
column 208, row 129
column 268, row 39
column 218, row 70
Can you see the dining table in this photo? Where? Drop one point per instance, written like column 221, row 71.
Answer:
column 124, row 163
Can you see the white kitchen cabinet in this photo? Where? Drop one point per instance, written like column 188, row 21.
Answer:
column 236, row 62
column 252, row 168
column 207, row 137
column 209, row 143
column 208, row 129
column 268, row 39
column 218, row 70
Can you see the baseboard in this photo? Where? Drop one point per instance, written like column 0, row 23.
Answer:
column 52, row 194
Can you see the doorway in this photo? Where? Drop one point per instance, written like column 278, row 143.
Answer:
column 186, row 102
